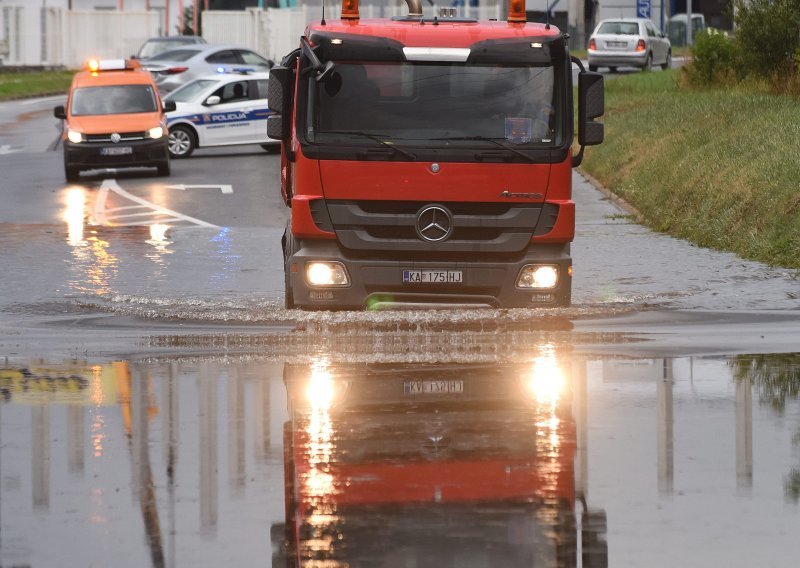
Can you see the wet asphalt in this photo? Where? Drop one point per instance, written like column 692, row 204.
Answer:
column 160, row 407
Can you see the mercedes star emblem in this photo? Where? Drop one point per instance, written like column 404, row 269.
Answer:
column 434, row 223
column 115, row 138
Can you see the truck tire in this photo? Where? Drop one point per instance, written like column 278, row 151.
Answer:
column 288, row 251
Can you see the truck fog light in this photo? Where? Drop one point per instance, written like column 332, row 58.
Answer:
column 325, row 273
column 538, row 276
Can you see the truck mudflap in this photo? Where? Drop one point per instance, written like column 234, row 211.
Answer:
column 376, row 282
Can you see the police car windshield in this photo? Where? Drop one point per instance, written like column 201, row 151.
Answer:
column 113, row 99
column 190, row 91
column 438, row 103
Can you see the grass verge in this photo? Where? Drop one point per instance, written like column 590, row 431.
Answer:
column 16, row 85
column 716, row 167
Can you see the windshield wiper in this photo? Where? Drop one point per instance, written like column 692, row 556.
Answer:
column 376, row 137
column 495, row 141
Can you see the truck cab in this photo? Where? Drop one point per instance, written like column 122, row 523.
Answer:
column 428, row 161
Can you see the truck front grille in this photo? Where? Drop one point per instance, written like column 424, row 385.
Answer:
column 477, row 227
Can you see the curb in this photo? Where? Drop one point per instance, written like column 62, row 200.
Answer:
column 613, row 197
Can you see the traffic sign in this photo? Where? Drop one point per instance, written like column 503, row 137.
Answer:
column 643, row 8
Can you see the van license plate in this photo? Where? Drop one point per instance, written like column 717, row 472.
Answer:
column 116, row 151
column 432, row 277
column 433, row 387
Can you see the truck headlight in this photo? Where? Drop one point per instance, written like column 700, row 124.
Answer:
column 326, row 273
column 155, row 133
column 74, row 136
column 539, row 276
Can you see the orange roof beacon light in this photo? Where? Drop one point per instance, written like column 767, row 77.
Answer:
column 516, row 11
column 94, row 65
column 350, row 10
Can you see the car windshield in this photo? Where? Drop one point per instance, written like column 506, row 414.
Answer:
column 154, row 47
column 190, row 91
column 619, row 28
column 439, row 102
column 115, row 99
column 177, row 55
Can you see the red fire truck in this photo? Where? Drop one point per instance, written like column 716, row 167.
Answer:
column 433, row 465
column 429, row 160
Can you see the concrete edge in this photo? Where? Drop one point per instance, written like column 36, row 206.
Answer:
column 613, row 197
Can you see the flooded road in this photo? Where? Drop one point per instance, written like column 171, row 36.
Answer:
column 555, row 460
column 159, row 407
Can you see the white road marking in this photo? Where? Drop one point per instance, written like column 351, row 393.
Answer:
column 101, row 216
column 224, row 188
column 8, row 149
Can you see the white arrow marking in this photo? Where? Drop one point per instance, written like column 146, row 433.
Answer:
column 101, row 218
column 222, row 187
column 6, row 149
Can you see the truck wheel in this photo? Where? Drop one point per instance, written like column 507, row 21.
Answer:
column 593, row 68
column 288, row 251
column 182, row 141
column 612, row 69
column 288, row 293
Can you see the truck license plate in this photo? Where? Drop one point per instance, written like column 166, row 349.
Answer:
column 116, row 151
column 433, row 387
column 432, row 277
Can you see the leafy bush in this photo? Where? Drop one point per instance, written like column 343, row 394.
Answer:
column 768, row 36
column 714, row 56
column 766, row 47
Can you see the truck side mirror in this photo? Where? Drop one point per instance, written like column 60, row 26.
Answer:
column 279, row 100
column 60, row 112
column 591, row 105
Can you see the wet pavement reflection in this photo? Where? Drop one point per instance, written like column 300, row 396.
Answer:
column 555, row 459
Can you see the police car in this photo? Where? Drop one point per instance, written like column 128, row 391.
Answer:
column 220, row 110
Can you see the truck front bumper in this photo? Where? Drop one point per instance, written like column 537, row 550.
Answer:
column 379, row 283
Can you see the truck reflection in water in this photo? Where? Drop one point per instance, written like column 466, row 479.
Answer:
column 434, row 465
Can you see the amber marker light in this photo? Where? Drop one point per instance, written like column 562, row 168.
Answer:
column 516, row 11
column 350, row 10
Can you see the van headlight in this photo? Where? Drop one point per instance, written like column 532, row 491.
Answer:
column 74, row 136
column 155, row 133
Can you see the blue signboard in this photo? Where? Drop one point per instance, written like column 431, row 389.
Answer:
column 643, row 8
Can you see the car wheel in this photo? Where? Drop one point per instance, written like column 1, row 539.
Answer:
column 592, row 68
column 668, row 62
column 648, row 65
column 612, row 69
column 182, row 141
column 164, row 168
column 71, row 173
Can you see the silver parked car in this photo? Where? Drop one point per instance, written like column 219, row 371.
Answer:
column 176, row 67
column 628, row 42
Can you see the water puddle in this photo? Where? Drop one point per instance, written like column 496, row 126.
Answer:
column 545, row 458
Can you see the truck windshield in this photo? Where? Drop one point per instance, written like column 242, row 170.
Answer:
column 437, row 103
